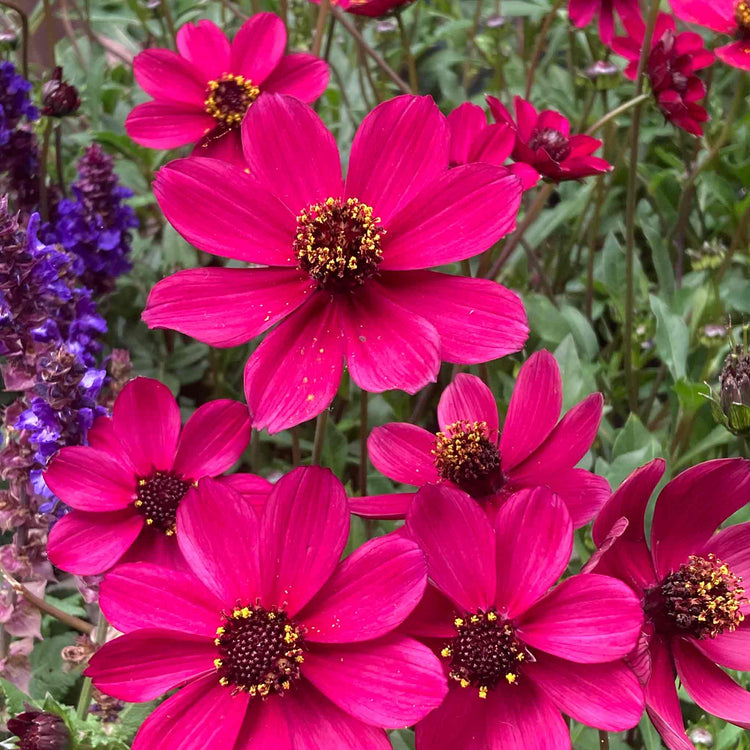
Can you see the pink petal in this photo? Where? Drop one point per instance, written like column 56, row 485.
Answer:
column 387, row 347
column 227, row 564
column 295, row 372
column 526, row 117
column 222, row 210
column 167, row 124
column 164, row 75
column 459, row 722
column 147, row 422
column 587, row 619
column 213, row 439
column 201, row 715
column 102, row 436
column 90, row 543
column 280, row 131
column 387, row 507
column 90, row 479
column 467, row 399
column 732, row 546
column 301, row 75
column 258, row 46
column 709, row 686
column 304, row 527
column 736, row 54
column 403, row 452
column 606, row 696
column 717, row 15
column 466, row 123
column 477, row 319
column 155, row 548
column 692, row 505
column 140, row 666
column 729, row 649
column 433, row 616
column 458, row 542
column 460, row 214
column 582, row 12
column 549, row 118
column 494, row 145
column 528, row 175
column 401, row 147
column 392, row 682
column 534, row 540
column 205, row 46
column 252, row 488
column 533, row 410
column 221, row 144
column 264, row 726
column 369, row 594
column 582, row 492
column 500, row 112
column 140, row 595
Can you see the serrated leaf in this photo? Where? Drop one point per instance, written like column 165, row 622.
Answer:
column 15, row 699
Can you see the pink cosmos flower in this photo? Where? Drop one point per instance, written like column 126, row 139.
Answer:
column 516, row 652
column 582, row 13
column 544, row 142
column 690, row 583
column 277, row 643
column 471, row 452
column 126, row 485
column 474, row 140
column 346, row 260
column 671, row 67
column 726, row 17
column 372, row 8
column 201, row 94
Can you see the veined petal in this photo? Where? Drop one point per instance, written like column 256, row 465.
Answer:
column 403, row 452
column 468, row 399
column 164, row 75
column 258, row 46
column 161, row 124
column 301, row 75
column 205, row 46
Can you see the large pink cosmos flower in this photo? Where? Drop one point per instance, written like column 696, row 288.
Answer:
column 725, row 16
column 690, row 583
column 582, row 13
column 126, row 485
column 346, row 259
column 517, row 653
column 277, row 643
column 201, row 94
column 543, row 141
column 670, row 67
column 371, row 8
column 472, row 454
column 473, row 139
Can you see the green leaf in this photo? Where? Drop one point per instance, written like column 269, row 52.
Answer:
column 47, row 674
column 15, row 699
column 672, row 338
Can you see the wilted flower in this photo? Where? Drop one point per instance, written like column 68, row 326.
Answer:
column 59, row 98
column 40, row 730
column 582, row 13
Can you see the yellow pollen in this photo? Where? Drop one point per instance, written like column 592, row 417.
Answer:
column 446, row 652
column 229, row 97
column 217, row 663
column 491, row 616
column 458, row 622
column 511, row 678
column 482, row 691
column 742, row 16
column 464, row 683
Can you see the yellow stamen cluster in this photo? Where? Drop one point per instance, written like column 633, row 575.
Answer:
column 228, row 98
column 742, row 16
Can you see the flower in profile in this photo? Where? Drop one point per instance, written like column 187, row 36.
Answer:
column 519, row 650
column 690, row 581
column 126, row 485
column 59, row 98
column 543, row 141
column 471, row 453
column 347, row 260
column 40, row 730
column 730, row 17
column 582, row 12
column 371, row 8
column 202, row 92
column 474, row 140
column 270, row 631
column 670, row 67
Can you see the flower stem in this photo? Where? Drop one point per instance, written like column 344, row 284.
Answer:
column 167, row 11
column 617, row 111
column 320, row 25
column 603, row 740
column 363, row 442
column 408, row 56
column 540, row 40
column 320, row 434
column 43, row 157
column 84, row 699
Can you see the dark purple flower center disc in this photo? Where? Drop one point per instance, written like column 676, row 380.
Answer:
column 158, row 497
column 229, row 97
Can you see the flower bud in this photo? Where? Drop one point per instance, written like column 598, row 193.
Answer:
column 39, row 730
column 732, row 408
column 59, row 98
column 701, row 736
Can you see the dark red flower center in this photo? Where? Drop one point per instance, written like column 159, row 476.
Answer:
column 338, row 243
column 742, row 17
column 260, row 650
column 229, row 97
column 466, row 455
column 485, row 652
column 552, row 141
column 703, row 599
column 157, row 498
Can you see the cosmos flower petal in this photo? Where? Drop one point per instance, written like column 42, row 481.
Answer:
column 147, row 422
column 549, row 118
column 294, row 373
column 467, row 399
column 582, row 12
column 403, row 452
column 304, row 528
column 582, row 492
column 709, row 686
column 227, row 564
column 160, row 124
column 142, row 665
column 477, row 319
column 264, row 726
column 732, row 546
column 279, row 131
column 717, row 15
column 369, row 594
column 466, row 122
column 588, row 618
column 392, row 506
column 458, row 215
column 391, row 682
column 208, row 717
column 225, row 145
column 387, row 346
column 90, row 543
column 258, row 46
column 166, row 76
column 433, row 616
column 606, row 696
column 252, row 488
column 534, row 540
column 736, row 54
column 154, row 547
column 206, row 47
column 494, row 145
column 222, row 210
column 213, row 439
column 301, row 75
column 459, row 722
column 692, row 505
column 102, row 436
column 729, row 649
column 533, row 410
column 457, row 539
column 141, row 595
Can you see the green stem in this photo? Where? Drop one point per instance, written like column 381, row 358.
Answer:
column 540, row 40
column 320, row 434
column 320, row 25
column 84, row 699
column 408, row 56
column 617, row 111
column 167, row 11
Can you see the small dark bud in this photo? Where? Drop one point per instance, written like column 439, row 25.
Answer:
column 59, row 98
column 40, row 731
column 732, row 406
